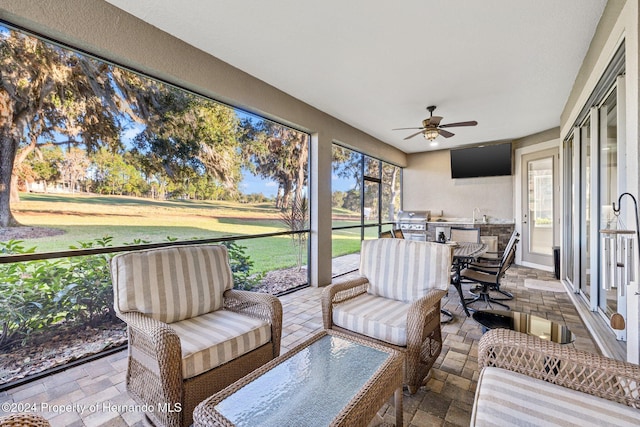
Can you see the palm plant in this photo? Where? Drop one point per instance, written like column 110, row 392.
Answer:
column 296, row 220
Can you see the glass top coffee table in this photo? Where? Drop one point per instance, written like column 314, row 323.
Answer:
column 331, row 379
column 523, row 322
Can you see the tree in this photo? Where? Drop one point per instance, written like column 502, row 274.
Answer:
column 44, row 163
column 337, row 199
column 279, row 153
column 352, row 200
column 347, row 164
column 113, row 173
column 73, row 167
column 390, row 190
column 151, row 183
column 52, row 94
column 191, row 137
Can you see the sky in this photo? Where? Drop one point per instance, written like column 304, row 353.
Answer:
column 253, row 184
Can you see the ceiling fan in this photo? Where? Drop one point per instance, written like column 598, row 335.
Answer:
column 431, row 126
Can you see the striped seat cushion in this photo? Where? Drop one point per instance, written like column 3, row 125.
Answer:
column 506, row 398
column 213, row 339
column 376, row 317
column 405, row 270
column 171, row 284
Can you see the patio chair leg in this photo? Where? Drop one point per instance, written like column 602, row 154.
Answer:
column 491, row 300
column 456, row 283
column 446, row 313
column 509, row 295
column 484, row 296
column 496, row 288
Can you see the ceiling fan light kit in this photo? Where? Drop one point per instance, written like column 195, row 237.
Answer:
column 431, row 127
column 431, row 134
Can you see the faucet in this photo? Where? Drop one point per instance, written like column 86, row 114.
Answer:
column 473, row 215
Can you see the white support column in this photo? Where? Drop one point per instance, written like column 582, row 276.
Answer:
column 320, row 238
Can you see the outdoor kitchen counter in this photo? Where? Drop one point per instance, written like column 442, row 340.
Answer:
column 495, row 227
column 469, row 222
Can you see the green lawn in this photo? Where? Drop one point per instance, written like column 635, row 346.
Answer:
column 131, row 219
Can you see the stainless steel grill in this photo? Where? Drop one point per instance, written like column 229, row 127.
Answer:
column 413, row 224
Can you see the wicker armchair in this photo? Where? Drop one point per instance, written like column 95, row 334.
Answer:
column 24, row 420
column 395, row 302
column 190, row 333
column 538, row 382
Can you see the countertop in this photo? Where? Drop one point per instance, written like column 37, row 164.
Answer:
column 469, row 221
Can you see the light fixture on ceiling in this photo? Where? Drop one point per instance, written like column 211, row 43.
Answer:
column 431, row 127
column 430, row 134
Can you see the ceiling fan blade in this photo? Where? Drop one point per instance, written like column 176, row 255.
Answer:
column 434, row 120
column 405, row 128
column 450, row 125
column 412, row 135
column 445, row 133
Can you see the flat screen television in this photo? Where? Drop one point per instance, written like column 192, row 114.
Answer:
column 485, row 160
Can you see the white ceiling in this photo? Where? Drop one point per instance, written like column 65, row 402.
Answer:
column 377, row 64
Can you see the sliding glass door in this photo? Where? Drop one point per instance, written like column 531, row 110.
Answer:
column 585, row 209
column 608, row 185
column 569, row 219
column 596, row 149
column 538, row 184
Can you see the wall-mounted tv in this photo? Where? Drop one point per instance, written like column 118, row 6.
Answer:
column 485, row 160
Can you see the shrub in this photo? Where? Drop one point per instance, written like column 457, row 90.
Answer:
column 76, row 290
column 241, row 266
column 87, row 295
column 27, row 294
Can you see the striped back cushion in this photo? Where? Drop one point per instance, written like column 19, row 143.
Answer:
column 171, row 284
column 405, row 270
